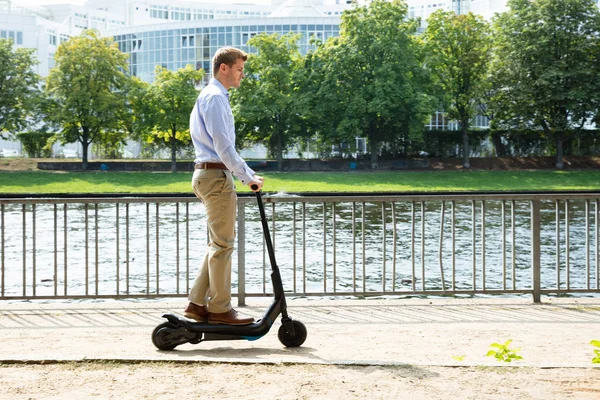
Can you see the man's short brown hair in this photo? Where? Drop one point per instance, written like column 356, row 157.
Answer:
column 228, row 56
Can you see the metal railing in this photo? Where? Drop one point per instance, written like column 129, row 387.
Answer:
column 366, row 245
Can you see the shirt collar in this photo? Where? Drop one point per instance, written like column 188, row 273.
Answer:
column 214, row 81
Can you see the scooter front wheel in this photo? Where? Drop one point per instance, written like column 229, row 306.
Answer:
column 160, row 336
column 297, row 339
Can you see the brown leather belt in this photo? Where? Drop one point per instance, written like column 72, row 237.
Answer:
column 210, row 165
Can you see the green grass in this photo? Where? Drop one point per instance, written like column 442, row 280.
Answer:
column 297, row 182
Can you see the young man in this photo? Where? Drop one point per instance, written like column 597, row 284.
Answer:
column 213, row 134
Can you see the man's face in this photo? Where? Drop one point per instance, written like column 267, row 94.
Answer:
column 233, row 75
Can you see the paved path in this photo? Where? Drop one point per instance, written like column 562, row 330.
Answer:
column 440, row 332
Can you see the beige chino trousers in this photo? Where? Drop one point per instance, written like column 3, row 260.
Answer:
column 212, row 287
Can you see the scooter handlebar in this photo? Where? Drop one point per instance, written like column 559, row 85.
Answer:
column 254, row 187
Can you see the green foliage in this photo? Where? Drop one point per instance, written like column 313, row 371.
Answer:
column 168, row 102
column 34, row 143
column 87, row 89
column 596, row 359
column 534, row 142
column 547, row 66
column 136, row 121
column 268, row 106
column 442, row 143
column 18, row 88
column 458, row 48
column 371, row 80
column 502, row 352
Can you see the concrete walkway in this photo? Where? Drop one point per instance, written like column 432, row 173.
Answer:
column 440, row 332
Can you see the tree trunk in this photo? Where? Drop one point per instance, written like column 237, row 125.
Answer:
column 465, row 138
column 373, row 146
column 279, row 152
column 84, row 156
column 173, row 152
column 84, row 148
column 498, row 145
column 559, row 151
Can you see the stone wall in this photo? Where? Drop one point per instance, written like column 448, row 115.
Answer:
column 268, row 165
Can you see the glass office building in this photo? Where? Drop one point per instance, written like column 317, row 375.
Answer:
column 195, row 42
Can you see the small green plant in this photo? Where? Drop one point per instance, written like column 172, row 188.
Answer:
column 596, row 360
column 458, row 358
column 501, row 352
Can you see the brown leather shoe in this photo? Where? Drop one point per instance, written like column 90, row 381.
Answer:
column 196, row 312
column 231, row 317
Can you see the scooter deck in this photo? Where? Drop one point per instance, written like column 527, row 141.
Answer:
column 255, row 329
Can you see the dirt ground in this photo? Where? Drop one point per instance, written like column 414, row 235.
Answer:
column 19, row 164
column 30, row 164
column 102, row 380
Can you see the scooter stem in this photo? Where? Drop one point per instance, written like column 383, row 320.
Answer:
column 266, row 231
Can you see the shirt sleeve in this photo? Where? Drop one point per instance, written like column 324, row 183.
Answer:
column 221, row 128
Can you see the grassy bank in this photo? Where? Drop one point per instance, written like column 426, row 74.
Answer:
column 296, row 182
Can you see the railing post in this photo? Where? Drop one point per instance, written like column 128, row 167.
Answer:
column 241, row 235
column 535, row 250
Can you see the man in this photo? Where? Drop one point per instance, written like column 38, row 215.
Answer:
column 213, row 134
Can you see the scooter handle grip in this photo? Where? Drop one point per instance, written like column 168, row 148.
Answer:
column 254, row 187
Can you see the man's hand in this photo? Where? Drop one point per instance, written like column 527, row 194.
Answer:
column 257, row 181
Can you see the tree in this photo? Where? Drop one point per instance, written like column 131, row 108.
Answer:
column 136, row 121
column 267, row 106
column 458, row 50
column 87, row 87
column 18, row 88
column 168, row 103
column 372, row 77
column 547, row 64
column 34, row 143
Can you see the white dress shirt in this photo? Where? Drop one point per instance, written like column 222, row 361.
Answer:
column 213, row 131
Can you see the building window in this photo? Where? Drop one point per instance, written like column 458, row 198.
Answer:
column 188, row 41
column 181, row 14
column 318, row 36
column 136, row 45
column 159, row 12
column 15, row 36
column 80, row 21
column 437, row 121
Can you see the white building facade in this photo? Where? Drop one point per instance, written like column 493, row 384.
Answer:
column 176, row 33
column 171, row 34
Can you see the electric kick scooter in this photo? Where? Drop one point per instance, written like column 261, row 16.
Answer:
column 179, row 330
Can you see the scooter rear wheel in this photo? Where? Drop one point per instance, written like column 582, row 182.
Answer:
column 159, row 336
column 297, row 339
